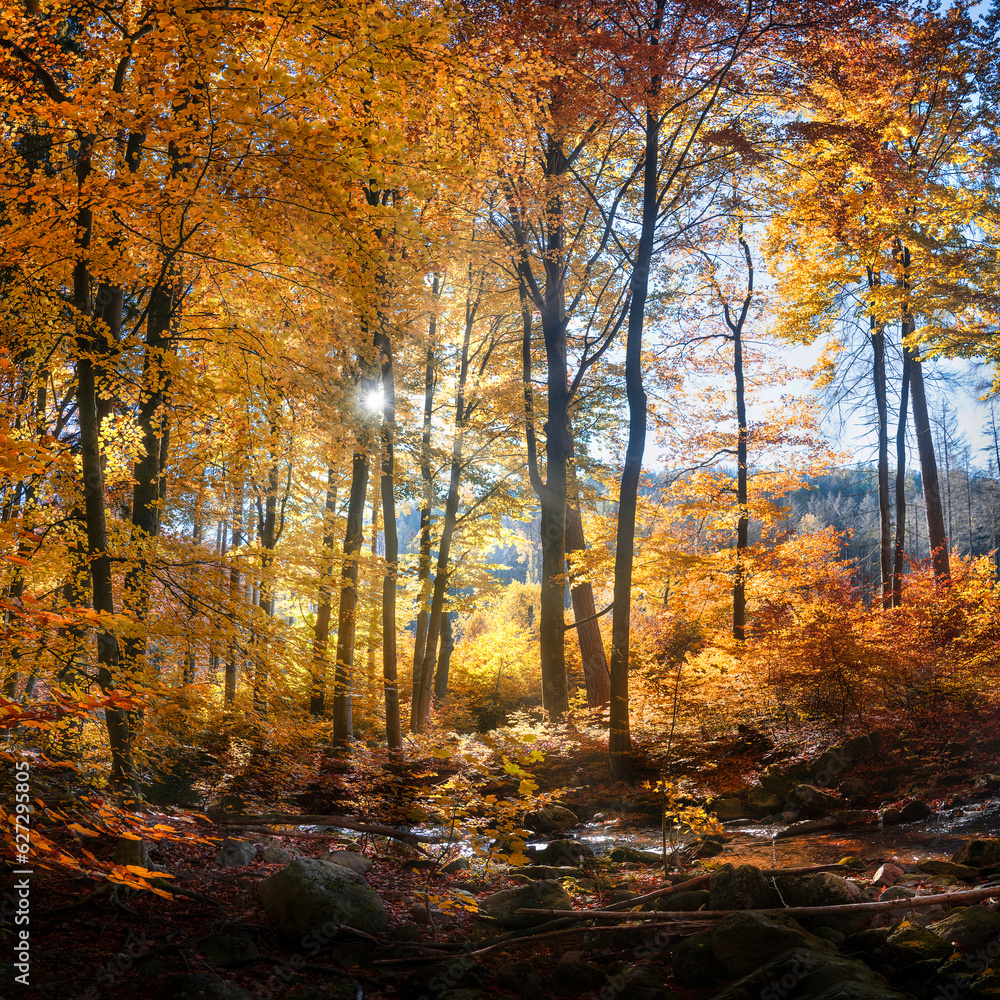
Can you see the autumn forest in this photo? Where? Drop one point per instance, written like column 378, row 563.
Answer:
column 402, row 424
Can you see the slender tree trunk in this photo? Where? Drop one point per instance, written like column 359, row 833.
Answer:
column 377, row 578
column 229, row 695
column 742, row 430
column 900, row 543
column 592, row 656
column 882, row 408
column 343, row 716
column 937, row 538
column 424, row 570
column 393, row 731
column 422, row 691
column 123, row 771
column 444, row 660
column 321, row 632
column 620, row 735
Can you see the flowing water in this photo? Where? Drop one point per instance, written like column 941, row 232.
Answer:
column 938, row 836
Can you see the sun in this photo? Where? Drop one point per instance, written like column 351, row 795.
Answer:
column 373, row 400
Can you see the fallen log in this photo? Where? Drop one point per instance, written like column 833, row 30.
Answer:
column 944, row 898
column 344, row 822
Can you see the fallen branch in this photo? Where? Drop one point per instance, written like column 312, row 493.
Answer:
column 343, row 822
column 966, row 896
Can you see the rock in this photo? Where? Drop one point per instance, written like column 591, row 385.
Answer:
column 565, row 852
column 762, row 802
column 629, row 855
column 811, row 799
column 830, row 766
column 861, row 746
column 824, row 889
column 350, row 860
column 896, row 892
column 808, row 826
column 638, row 982
column 853, row 787
column 523, row 978
column 870, row 942
column 726, row 808
column 910, row 943
column 854, row 817
column 200, row 986
column 979, row 853
column 775, row 783
column 888, row 874
column 707, row 847
column 573, row 976
column 455, row 866
column 914, row 810
column 316, row 897
column 694, row 899
column 745, row 940
column 236, row 854
column 890, row 816
column 537, row 872
column 275, row 854
column 949, row 870
column 549, row 818
column 621, row 895
column 743, row 888
column 969, row 928
column 440, row 979
column 544, row 894
column 228, row 949
column 694, row 964
column 798, row 972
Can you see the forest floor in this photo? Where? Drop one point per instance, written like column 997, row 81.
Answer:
column 119, row 943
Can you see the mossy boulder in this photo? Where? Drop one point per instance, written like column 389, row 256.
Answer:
column 544, row 894
column 979, row 853
column 744, row 940
column 694, row 963
column 742, row 888
column 970, row 928
column 316, row 897
column 799, row 972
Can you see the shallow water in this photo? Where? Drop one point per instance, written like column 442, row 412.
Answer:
column 939, row 836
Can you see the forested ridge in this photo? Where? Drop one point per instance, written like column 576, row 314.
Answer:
column 398, row 436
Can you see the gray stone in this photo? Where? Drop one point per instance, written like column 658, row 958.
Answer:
column 314, row 896
column 890, row 816
column 969, row 928
column 914, row 811
column 979, row 853
column 861, row 746
column 824, row 889
column 350, row 860
column 775, row 783
column 624, row 854
column 236, row 854
column 549, row 818
column 910, row 943
column 888, row 874
column 743, row 888
column 639, row 982
column 727, row 808
column 854, row 787
column 798, row 972
column 573, row 976
column 694, row 963
column 537, row 872
column 811, row 799
column 565, row 852
column 762, row 802
column 544, row 894
column 228, row 949
column 523, row 978
column 896, row 892
column 274, row 854
column 682, row 902
column 950, row 870
column 745, row 940
column 830, row 766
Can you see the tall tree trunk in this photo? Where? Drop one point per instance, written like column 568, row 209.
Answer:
column 444, row 660
column 123, row 772
column 422, row 689
column 882, row 409
column 592, row 657
column 424, row 567
column 931, row 485
column 620, row 735
column 393, row 731
column 229, row 694
column 742, row 435
column 900, row 543
column 343, row 715
column 321, row 631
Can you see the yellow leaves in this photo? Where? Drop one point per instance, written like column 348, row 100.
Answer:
column 82, row 830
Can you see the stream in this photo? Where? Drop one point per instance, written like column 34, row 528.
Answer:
column 938, row 836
